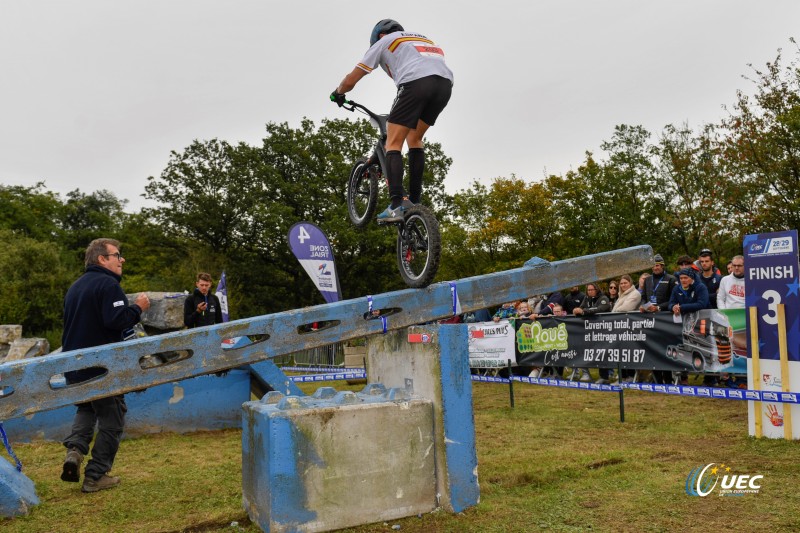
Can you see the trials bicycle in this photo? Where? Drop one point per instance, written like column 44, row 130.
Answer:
column 419, row 244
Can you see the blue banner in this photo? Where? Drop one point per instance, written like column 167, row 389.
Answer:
column 771, row 278
column 310, row 246
column 222, row 294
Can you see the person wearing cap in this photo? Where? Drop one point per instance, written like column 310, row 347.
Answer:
column 689, row 295
column 657, row 288
column 709, row 274
column 705, row 252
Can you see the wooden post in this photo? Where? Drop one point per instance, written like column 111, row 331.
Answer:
column 785, row 385
column 756, row 367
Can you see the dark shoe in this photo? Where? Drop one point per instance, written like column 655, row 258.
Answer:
column 105, row 482
column 72, row 466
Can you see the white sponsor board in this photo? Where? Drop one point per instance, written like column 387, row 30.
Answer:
column 491, row 344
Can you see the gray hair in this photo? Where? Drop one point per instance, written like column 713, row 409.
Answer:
column 97, row 248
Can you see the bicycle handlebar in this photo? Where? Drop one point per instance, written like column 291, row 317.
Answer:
column 352, row 106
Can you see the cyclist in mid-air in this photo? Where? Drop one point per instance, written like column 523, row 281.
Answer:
column 424, row 84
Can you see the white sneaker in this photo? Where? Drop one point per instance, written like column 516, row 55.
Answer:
column 586, row 377
column 601, row 381
column 534, row 373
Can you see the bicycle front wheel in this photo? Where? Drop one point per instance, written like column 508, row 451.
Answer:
column 362, row 193
column 419, row 246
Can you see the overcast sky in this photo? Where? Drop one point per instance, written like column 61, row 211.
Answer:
column 94, row 94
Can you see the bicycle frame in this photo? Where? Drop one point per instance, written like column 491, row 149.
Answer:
column 418, row 239
column 379, row 122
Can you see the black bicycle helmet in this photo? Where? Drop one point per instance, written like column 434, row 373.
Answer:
column 384, row 26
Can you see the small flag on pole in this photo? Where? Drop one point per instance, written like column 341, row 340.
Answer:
column 222, row 294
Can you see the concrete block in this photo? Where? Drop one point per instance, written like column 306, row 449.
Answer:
column 336, row 460
column 354, row 356
column 17, row 493
column 166, row 310
column 10, row 333
column 27, row 347
column 437, row 370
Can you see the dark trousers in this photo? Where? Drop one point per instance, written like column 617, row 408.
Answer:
column 109, row 416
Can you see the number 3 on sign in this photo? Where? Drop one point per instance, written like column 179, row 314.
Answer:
column 303, row 235
column 774, row 299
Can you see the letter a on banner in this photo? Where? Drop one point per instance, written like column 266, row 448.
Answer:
column 310, row 246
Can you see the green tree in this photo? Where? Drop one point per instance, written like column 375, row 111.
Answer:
column 35, row 277
column 697, row 213
column 761, row 149
column 31, row 211
column 85, row 217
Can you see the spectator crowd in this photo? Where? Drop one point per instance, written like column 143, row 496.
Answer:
column 695, row 284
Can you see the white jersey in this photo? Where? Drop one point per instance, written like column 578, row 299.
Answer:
column 405, row 57
column 730, row 294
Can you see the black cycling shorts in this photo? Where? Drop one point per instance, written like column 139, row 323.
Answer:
column 421, row 99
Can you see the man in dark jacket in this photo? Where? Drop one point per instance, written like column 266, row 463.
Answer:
column 657, row 288
column 202, row 308
column 573, row 300
column 96, row 312
column 690, row 295
column 709, row 275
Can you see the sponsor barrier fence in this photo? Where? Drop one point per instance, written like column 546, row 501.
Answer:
column 709, row 341
column 675, row 390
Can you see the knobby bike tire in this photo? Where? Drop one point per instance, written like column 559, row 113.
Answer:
column 362, row 193
column 419, row 247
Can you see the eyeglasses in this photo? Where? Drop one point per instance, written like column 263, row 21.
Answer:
column 116, row 254
column 611, row 287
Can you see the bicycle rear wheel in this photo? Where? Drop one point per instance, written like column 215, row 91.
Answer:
column 419, row 247
column 362, row 193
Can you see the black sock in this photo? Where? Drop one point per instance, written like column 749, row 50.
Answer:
column 394, row 160
column 416, row 166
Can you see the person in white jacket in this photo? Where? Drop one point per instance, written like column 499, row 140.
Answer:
column 730, row 294
column 629, row 297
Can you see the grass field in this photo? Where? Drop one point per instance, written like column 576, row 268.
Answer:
column 560, row 461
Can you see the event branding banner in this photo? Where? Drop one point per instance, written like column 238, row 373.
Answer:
column 311, row 247
column 771, row 279
column 703, row 341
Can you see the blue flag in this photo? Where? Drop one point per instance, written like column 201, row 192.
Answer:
column 222, row 294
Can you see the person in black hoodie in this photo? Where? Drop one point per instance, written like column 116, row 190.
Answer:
column 96, row 312
column 202, row 308
column 573, row 300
